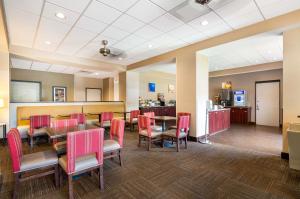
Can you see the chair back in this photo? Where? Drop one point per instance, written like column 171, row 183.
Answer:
column 183, row 125
column 134, row 114
column 117, row 130
column 82, row 143
column 64, row 123
column 184, row 114
column 144, row 124
column 106, row 116
column 15, row 148
column 81, row 119
column 151, row 114
column 39, row 121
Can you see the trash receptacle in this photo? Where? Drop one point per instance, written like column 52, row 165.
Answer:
column 293, row 133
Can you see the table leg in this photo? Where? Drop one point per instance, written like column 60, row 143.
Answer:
column 4, row 134
column 163, row 125
column 125, row 116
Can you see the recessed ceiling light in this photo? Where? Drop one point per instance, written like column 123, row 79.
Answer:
column 150, row 46
column 204, row 23
column 269, row 52
column 47, row 42
column 120, row 58
column 60, row 15
column 96, row 73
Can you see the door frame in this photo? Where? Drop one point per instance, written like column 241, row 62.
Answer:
column 269, row 81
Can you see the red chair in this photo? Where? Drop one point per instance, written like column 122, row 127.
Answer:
column 60, row 147
column 181, row 131
column 80, row 117
column 181, row 114
column 152, row 121
column 146, row 132
column 113, row 146
column 30, row 162
column 106, row 118
column 38, row 125
column 133, row 119
column 84, row 154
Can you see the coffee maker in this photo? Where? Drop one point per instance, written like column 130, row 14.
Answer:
column 226, row 97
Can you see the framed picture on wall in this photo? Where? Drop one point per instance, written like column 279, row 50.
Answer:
column 93, row 94
column 59, row 93
column 151, row 87
column 171, row 88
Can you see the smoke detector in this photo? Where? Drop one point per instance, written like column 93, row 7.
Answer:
column 203, row 2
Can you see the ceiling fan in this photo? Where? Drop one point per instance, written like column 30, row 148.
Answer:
column 203, row 2
column 113, row 52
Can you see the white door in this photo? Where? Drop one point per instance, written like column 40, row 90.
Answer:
column 267, row 103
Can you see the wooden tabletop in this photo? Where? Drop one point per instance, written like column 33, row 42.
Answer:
column 62, row 132
column 164, row 118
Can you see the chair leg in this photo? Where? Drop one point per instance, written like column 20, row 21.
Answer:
column 31, row 142
column 149, row 143
column 162, row 141
column 112, row 158
column 185, row 140
column 56, row 176
column 70, row 179
column 16, row 186
column 101, row 179
column 120, row 157
column 177, row 145
column 139, row 144
column 60, row 176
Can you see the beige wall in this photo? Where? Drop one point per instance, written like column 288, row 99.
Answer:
column 108, row 89
column 80, row 85
column 161, row 80
column 291, row 80
column 48, row 80
column 122, row 86
column 247, row 82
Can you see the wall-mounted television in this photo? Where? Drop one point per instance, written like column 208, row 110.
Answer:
column 151, row 87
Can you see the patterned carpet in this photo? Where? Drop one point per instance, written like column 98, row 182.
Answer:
column 202, row 171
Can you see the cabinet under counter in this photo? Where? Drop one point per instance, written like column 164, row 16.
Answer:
column 219, row 120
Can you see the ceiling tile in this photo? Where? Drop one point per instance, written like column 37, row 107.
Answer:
column 168, row 4
column 89, row 51
column 50, row 11
column 21, row 63
column 148, row 32
column 184, row 31
column 33, row 7
column 272, row 8
column 240, row 13
column 50, row 30
column 76, row 39
column 71, row 70
column 57, row 68
column 102, row 12
column 128, row 23
column 129, row 42
column 98, row 40
column 90, row 24
column 121, row 5
column 21, row 27
column 114, row 33
column 145, row 11
column 40, row 66
column 195, row 38
column 75, row 5
column 166, row 23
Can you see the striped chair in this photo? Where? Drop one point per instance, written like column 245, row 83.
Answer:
column 152, row 121
column 113, row 146
column 80, row 117
column 30, row 162
column 106, row 118
column 181, row 132
column 146, row 132
column 38, row 125
column 133, row 119
column 181, row 114
column 84, row 154
column 60, row 147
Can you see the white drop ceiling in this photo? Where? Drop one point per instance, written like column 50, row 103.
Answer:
column 21, row 63
column 141, row 28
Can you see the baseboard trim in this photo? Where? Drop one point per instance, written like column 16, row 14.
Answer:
column 284, row 156
column 193, row 139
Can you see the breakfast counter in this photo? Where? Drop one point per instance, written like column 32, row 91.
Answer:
column 160, row 110
column 219, row 120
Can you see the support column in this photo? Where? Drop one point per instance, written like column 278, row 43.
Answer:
column 291, row 81
column 132, row 90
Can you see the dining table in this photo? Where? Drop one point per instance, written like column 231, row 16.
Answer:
column 163, row 120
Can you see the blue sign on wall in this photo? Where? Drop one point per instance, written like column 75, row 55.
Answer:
column 151, row 87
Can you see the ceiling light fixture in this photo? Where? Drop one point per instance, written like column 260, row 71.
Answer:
column 204, row 23
column 96, row 73
column 120, row 58
column 60, row 15
column 150, row 46
column 47, row 42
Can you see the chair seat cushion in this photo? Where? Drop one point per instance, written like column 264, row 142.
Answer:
column 110, row 145
column 156, row 128
column 39, row 132
column 153, row 133
column 23, row 129
column 134, row 120
column 173, row 127
column 106, row 124
column 38, row 160
column 81, row 163
column 172, row 133
column 60, row 147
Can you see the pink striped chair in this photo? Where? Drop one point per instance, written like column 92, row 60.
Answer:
column 80, row 117
column 181, row 114
column 146, row 132
column 106, row 118
column 84, row 154
column 29, row 162
column 60, row 147
column 133, row 119
column 152, row 121
column 181, row 132
column 38, row 125
column 113, row 146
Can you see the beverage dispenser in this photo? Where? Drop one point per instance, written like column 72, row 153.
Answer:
column 240, row 98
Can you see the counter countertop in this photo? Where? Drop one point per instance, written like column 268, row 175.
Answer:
column 155, row 106
column 221, row 109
